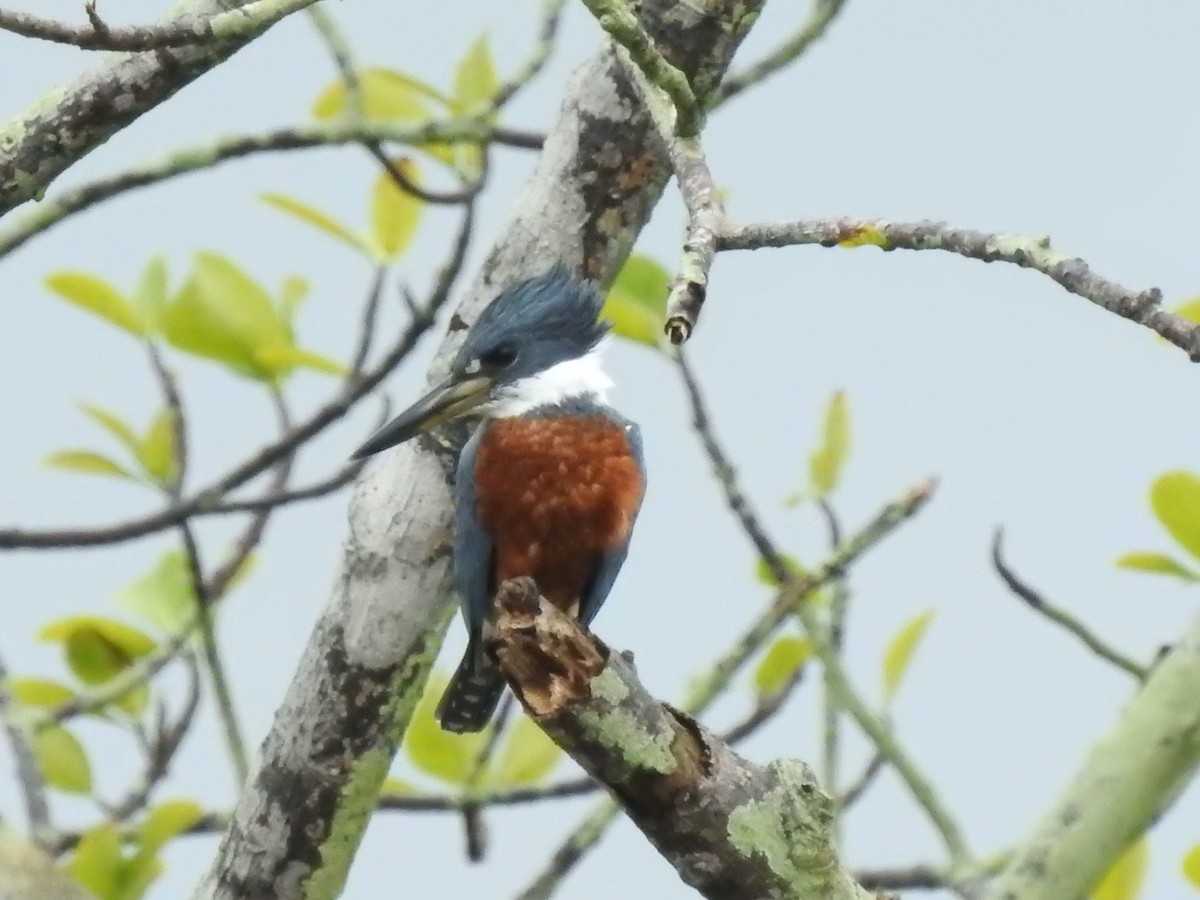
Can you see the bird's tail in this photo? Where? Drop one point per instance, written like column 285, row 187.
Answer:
column 472, row 695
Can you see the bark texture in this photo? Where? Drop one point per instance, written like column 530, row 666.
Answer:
column 732, row 829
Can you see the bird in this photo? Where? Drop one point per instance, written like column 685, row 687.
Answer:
column 550, row 482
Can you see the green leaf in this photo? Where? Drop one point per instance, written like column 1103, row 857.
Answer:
column 166, row 821
column 387, row 94
column 224, row 315
column 156, row 450
column 283, row 358
column 39, row 692
column 98, row 297
column 1124, row 880
column 1157, row 563
column 398, row 786
column 442, row 754
column 395, row 213
column 475, row 78
column 164, row 595
column 88, row 463
column 291, row 295
column 61, row 758
column 1175, row 498
column 1189, row 310
column 98, row 861
column 1191, row 866
column 114, row 425
column 763, row 572
column 318, row 219
column 780, row 664
column 637, row 301
column 528, row 755
column 97, row 649
column 150, row 298
column 900, row 653
column 827, row 461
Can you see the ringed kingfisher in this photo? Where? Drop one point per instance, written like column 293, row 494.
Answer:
column 549, row 483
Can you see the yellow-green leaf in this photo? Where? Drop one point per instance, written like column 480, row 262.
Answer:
column 763, row 572
column 1158, row 563
column 1124, row 880
column 900, row 653
column 291, row 295
column 780, row 664
column 62, row 761
column 1175, row 498
column 827, row 461
column 528, row 755
column 86, row 462
column 223, row 314
column 1190, row 310
column 98, row 861
column 156, row 450
column 98, row 297
column 167, row 820
column 1191, row 866
column 475, row 78
column 150, row 298
column 40, row 692
column 386, row 94
column 283, row 358
column 637, row 301
column 317, row 219
column 397, row 787
column 449, row 757
column 98, row 649
column 114, row 425
column 863, row 237
column 395, row 213
column 164, row 595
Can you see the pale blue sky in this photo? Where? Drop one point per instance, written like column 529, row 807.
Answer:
column 1033, row 408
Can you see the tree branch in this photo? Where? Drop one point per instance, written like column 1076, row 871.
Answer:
column 730, row 828
column 299, row 822
column 1062, row 618
column 1072, row 273
column 29, row 773
column 243, row 22
column 69, row 122
column 1129, row 778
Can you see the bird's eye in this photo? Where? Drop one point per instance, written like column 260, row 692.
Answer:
column 499, row 357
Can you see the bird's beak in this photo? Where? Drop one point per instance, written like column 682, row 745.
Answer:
column 449, row 400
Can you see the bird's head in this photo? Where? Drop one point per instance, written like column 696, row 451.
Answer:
column 534, row 344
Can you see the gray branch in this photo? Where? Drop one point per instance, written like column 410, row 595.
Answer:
column 1130, row 777
column 731, row 828
column 73, row 120
column 299, row 821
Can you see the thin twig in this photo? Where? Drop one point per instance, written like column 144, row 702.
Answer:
column 859, row 786
column 618, row 18
column 473, row 128
column 161, row 749
column 1073, row 274
column 726, row 476
column 474, row 826
column 29, row 773
column 178, row 32
column 822, row 15
column 538, row 57
column 1060, row 617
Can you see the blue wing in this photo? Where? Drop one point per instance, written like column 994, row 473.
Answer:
column 610, row 562
column 473, row 546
